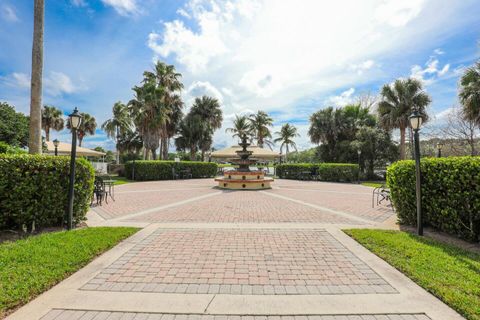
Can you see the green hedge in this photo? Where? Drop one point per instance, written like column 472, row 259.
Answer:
column 336, row 172
column 34, row 190
column 450, row 194
column 162, row 170
column 6, row 148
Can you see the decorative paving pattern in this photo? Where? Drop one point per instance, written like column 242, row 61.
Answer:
column 61, row 314
column 350, row 200
column 244, row 207
column 234, row 261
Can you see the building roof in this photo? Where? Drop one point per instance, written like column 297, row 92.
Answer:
column 64, row 149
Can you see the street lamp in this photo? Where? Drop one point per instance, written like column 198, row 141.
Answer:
column 439, row 149
column 416, row 122
column 75, row 120
column 56, row 143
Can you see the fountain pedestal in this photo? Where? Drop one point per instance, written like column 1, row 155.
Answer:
column 243, row 178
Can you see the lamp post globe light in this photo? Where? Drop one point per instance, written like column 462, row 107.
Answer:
column 439, row 149
column 55, row 144
column 75, row 120
column 416, row 122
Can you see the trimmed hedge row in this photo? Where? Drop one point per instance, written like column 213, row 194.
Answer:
column 163, row 170
column 34, row 190
column 450, row 194
column 335, row 172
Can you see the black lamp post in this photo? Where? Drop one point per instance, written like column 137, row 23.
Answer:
column 416, row 122
column 75, row 120
column 56, row 143
column 439, row 149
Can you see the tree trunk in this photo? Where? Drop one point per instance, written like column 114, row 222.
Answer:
column 161, row 149
column 154, row 154
column 193, row 152
column 35, row 129
column 118, row 151
column 203, row 155
column 286, row 153
column 166, row 146
column 47, row 133
column 80, row 139
column 402, row 142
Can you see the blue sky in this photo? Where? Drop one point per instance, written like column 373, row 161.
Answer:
column 289, row 58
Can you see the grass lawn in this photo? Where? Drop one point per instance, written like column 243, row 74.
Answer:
column 448, row 272
column 30, row 266
column 120, row 180
column 373, row 184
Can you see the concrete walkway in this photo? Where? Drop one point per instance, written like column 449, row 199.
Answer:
column 214, row 255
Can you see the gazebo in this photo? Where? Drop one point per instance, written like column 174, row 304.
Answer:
column 65, row 148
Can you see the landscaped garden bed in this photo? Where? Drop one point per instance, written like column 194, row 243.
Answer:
column 448, row 272
column 31, row 266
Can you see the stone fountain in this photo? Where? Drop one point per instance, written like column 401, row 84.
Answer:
column 243, row 178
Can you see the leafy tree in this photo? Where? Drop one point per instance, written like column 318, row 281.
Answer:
column 241, row 126
column 398, row 102
column 118, row 124
column 209, row 112
column 13, row 126
column 190, row 134
column 305, row 156
column 260, row 123
column 470, row 92
column 87, row 127
column 52, row 118
column 109, row 156
column 35, row 133
column 286, row 135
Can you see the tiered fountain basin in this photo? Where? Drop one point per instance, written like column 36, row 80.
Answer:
column 244, row 180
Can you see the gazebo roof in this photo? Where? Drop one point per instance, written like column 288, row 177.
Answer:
column 258, row 153
column 64, row 149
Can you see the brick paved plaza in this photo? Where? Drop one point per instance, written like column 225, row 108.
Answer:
column 210, row 254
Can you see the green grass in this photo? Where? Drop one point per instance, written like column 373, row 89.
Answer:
column 30, row 266
column 448, row 272
column 373, row 184
column 121, row 180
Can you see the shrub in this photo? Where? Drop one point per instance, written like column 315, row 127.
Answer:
column 34, row 190
column 6, row 148
column 163, row 170
column 450, row 194
column 336, row 172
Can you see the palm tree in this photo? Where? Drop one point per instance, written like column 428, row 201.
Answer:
column 470, row 93
column 398, row 102
column 52, row 118
column 118, row 124
column 87, row 127
column 285, row 136
column 209, row 112
column 259, row 122
column 129, row 141
column 149, row 115
column 166, row 77
column 35, row 133
column 241, row 126
column 190, row 134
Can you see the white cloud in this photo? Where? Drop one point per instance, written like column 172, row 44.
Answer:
column 54, row 84
column 201, row 88
column 398, row 13
column 438, row 51
column 123, row 7
column 431, row 72
column 9, row 14
column 17, row 79
column 346, row 97
column 278, row 55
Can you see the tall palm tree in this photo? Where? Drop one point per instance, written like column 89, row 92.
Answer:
column 398, row 102
column 35, row 136
column 285, row 136
column 118, row 124
column 87, row 127
column 210, row 113
column 260, row 123
column 168, row 79
column 470, row 93
column 241, row 126
column 149, row 115
column 52, row 118
column 190, row 134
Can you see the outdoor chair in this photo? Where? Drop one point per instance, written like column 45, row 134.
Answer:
column 175, row 175
column 381, row 194
column 99, row 192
